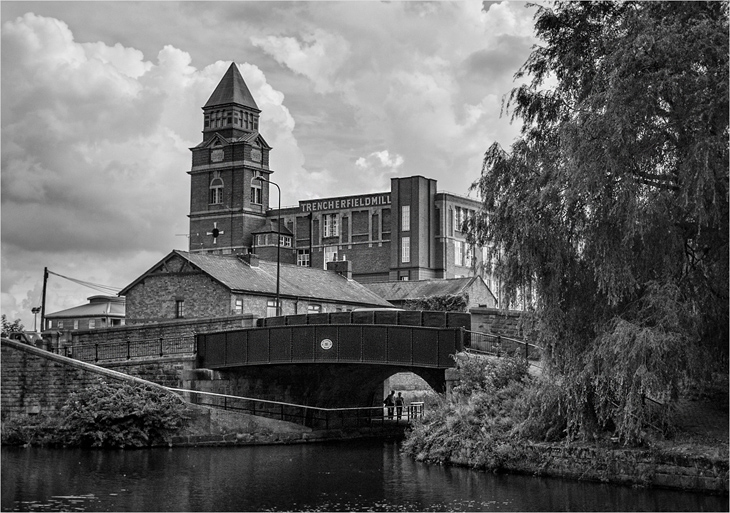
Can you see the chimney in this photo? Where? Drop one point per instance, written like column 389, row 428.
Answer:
column 341, row 267
column 251, row 259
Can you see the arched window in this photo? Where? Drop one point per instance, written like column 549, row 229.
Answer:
column 216, row 190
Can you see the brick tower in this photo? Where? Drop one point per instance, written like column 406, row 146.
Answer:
column 226, row 203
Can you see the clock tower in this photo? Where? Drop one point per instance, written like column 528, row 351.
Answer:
column 226, row 202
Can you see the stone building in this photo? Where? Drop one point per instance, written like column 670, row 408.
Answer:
column 196, row 285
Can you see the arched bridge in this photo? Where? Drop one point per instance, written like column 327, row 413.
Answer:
column 338, row 358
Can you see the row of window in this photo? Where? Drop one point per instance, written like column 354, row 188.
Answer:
column 267, row 239
column 90, row 323
column 231, row 117
column 238, row 308
column 216, row 189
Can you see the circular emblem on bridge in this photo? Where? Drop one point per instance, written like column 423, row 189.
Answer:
column 326, row 344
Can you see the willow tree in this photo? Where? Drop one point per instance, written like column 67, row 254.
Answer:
column 613, row 202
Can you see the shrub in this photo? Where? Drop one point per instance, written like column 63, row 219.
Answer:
column 123, row 415
column 31, row 430
column 477, row 424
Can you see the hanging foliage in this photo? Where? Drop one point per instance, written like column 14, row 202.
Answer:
column 613, row 203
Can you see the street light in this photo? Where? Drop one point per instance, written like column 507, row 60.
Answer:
column 35, row 310
column 278, row 242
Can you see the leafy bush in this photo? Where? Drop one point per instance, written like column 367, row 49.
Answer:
column 104, row 415
column 123, row 415
column 32, row 430
column 477, row 424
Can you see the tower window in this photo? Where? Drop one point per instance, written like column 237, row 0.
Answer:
column 179, row 308
column 256, row 188
column 216, row 190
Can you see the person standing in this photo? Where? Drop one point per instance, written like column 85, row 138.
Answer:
column 399, row 406
column 389, row 402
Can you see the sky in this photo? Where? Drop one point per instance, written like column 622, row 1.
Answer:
column 101, row 102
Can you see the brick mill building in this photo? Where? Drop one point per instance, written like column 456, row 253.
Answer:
column 410, row 232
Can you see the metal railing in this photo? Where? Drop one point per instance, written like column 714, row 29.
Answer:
column 129, row 349
column 310, row 416
column 498, row 345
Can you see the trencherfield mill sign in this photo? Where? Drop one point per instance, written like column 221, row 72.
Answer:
column 366, row 200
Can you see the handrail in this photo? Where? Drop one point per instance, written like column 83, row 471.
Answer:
column 510, row 339
column 327, row 416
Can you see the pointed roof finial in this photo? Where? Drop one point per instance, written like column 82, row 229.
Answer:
column 232, row 89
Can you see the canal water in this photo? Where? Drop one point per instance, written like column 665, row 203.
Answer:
column 343, row 476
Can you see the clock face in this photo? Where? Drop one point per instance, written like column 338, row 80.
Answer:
column 256, row 155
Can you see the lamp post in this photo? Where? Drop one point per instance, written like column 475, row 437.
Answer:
column 278, row 242
column 35, row 311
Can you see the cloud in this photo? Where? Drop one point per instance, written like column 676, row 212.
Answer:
column 317, row 55
column 95, row 152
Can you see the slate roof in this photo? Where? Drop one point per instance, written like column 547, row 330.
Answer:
column 269, row 226
column 253, row 138
column 232, row 89
column 295, row 281
column 402, row 290
column 113, row 307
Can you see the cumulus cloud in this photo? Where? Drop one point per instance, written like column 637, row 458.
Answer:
column 317, row 55
column 95, row 152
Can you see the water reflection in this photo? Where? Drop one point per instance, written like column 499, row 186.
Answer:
column 353, row 476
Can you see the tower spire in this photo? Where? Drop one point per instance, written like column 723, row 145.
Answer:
column 232, row 89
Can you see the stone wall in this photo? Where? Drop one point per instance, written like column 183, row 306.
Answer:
column 35, row 381
column 167, row 330
column 507, row 323
column 641, row 467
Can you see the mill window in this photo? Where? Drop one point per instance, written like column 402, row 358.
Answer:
column 303, row 257
column 331, row 225
column 405, row 252
column 330, row 255
column 405, row 218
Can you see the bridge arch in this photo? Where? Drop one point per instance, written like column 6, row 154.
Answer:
column 323, row 385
